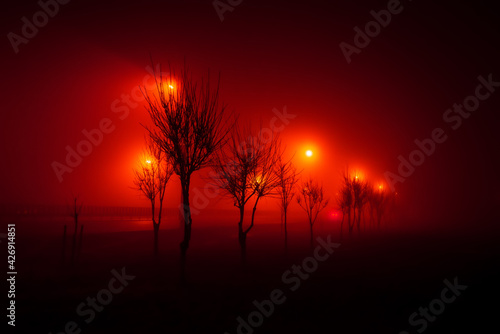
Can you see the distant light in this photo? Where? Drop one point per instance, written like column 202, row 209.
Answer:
column 148, row 161
column 356, row 177
column 170, row 86
column 309, row 153
column 380, row 187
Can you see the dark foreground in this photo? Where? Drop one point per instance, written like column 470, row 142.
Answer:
column 369, row 284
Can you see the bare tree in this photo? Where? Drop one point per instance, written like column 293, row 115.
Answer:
column 244, row 169
column 360, row 191
column 287, row 177
column 312, row 200
column 189, row 126
column 352, row 198
column 265, row 181
column 345, row 201
column 378, row 200
column 151, row 178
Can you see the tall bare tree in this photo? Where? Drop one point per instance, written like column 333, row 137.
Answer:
column 151, row 177
column 189, row 126
column 288, row 176
column 244, row 169
column 311, row 199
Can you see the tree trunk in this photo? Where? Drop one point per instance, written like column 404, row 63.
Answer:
column 76, row 224
column 312, row 238
column 79, row 248
column 284, row 222
column 253, row 215
column 73, row 246
column 286, row 232
column 242, row 236
column 187, row 218
column 349, row 221
column 359, row 220
column 156, row 229
column 364, row 222
column 342, row 224
column 243, row 246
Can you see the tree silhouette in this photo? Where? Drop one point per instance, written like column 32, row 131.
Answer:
column 360, row 191
column 189, row 126
column 378, row 201
column 312, row 200
column 345, row 201
column 265, row 181
column 151, row 177
column 244, row 169
column 352, row 198
column 287, row 179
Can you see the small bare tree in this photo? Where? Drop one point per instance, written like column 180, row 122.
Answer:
column 312, row 200
column 244, row 169
column 189, row 126
column 345, row 202
column 151, row 178
column 360, row 192
column 287, row 179
column 378, row 201
column 265, row 181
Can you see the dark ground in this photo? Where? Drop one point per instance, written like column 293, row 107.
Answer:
column 370, row 284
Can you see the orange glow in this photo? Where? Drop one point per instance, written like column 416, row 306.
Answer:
column 309, row 153
column 358, row 175
column 168, row 85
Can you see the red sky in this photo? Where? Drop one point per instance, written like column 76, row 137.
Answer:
column 363, row 114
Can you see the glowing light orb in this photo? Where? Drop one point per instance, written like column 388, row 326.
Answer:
column 309, row 153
